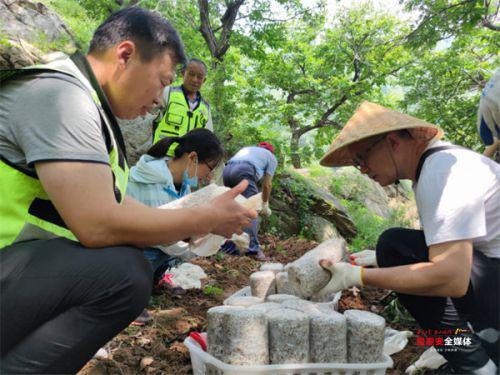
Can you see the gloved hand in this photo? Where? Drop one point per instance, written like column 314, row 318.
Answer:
column 365, row 258
column 344, row 275
column 266, row 211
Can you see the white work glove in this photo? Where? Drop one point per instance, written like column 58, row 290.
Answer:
column 266, row 211
column 344, row 275
column 365, row 258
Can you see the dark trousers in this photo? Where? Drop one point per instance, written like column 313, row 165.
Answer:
column 233, row 174
column 479, row 307
column 60, row 302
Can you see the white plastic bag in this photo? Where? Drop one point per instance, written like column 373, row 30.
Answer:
column 430, row 359
column 395, row 341
column 209, row 244
column 187, row 276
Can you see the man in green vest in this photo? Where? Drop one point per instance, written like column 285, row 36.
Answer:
column 184, row 108
column 72, row 272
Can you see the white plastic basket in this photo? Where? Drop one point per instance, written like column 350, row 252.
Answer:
column 205, row 364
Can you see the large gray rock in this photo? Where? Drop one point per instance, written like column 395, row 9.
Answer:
column 138, row 136
column 361, row 188
column 29, row 31
column 320, row 203
column 323, row 230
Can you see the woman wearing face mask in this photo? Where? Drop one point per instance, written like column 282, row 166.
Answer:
column 157, row 179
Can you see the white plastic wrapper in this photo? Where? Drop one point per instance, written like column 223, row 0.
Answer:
column 430, row 359
column 209, row 244
column 187, row 276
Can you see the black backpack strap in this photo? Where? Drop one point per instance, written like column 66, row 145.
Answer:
column 428, row 153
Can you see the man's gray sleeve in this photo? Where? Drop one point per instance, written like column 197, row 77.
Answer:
column 54, row 119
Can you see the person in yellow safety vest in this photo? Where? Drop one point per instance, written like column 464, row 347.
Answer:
column 184, row 109
column 73, row 273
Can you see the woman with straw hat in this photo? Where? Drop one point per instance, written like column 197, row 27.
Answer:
column 446, row 275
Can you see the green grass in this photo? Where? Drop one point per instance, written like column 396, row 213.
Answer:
column 211, row 290
column 370, row 225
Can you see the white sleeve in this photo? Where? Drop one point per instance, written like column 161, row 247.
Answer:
column 450, row 200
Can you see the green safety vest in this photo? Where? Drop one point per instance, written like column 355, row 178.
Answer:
column 179, row 119
column 23, row 200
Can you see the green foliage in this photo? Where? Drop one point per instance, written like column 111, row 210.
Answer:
column 441, row 19
column 81, row 22
column 395, row 312
column 354, row 189
column 369, row 225
column 445, row 86
column 219, row 256
column 211, row 290
column 301, row 191
column 61, row 44
column 295, row 76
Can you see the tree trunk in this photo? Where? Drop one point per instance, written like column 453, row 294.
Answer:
column 294, row 149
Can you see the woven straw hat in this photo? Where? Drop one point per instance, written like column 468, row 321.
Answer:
column 372, row 119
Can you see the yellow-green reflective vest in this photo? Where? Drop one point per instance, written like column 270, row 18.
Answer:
column 179, row 119
column 26, row 211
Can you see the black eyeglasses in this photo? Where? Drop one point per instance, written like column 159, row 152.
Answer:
column 360, row 161
column 210, row 167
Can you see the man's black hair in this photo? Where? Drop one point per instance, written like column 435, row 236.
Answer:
column 202, row 141
column 198, row 61
column 151, row 33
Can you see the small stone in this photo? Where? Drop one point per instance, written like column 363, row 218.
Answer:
column 101, row 354
column 145, row 362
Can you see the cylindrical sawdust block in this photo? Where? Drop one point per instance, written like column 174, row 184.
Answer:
column 365, row 336
column 279, row 298
column 326, row 307
column 283, row 285
column 274, row 267
column 308, row 307
column 217, row 318
column 306, row 275
column 244, row 301
column 288, row 336
column 327, row 340
column 265, row 307
column 246, row 340
column 262, row 283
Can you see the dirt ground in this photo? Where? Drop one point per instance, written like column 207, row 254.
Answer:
column 157, row 348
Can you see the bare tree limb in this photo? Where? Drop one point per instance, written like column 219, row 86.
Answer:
column 218, row 47
column 291, row 96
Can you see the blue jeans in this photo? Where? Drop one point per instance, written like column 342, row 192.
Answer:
column 233, row 174
column 160, row 261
